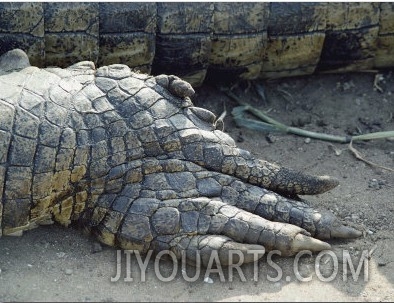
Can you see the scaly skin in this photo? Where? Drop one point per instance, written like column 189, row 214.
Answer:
column 130, row 157
column 204, row 40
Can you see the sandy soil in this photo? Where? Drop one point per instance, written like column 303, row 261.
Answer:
column 53, row 263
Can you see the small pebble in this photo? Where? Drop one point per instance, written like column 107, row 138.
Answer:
column 374, row 184
column 307, row 140
column 382, row 263
column 208, row 280
column 355, row 217
column 68, row 271
column 240, row 138
column 348, row 85
column 270, row 138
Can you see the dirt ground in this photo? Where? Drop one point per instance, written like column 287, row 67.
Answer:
column 53, row 263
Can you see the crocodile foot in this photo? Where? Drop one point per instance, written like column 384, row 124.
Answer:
column 130, row 157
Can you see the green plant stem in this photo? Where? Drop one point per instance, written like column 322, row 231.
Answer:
column 270, row 124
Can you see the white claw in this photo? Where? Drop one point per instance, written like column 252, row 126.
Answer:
column 302, row 242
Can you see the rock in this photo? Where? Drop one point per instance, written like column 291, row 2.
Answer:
column 270, row 138
column 373, row 184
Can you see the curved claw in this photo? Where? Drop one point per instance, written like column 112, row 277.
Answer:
column 303, row 242
column 330, row 227
column 344, row 232
column 293, row 182
column 243, row 165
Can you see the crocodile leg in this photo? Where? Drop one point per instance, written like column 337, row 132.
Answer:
column 130, row 157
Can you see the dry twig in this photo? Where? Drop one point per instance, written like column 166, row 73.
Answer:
column 358, row 156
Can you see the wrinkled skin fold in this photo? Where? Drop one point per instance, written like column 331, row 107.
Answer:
column 130, row 157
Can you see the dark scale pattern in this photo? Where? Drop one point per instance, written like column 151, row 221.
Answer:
column 130, row 157
column 212, row 41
